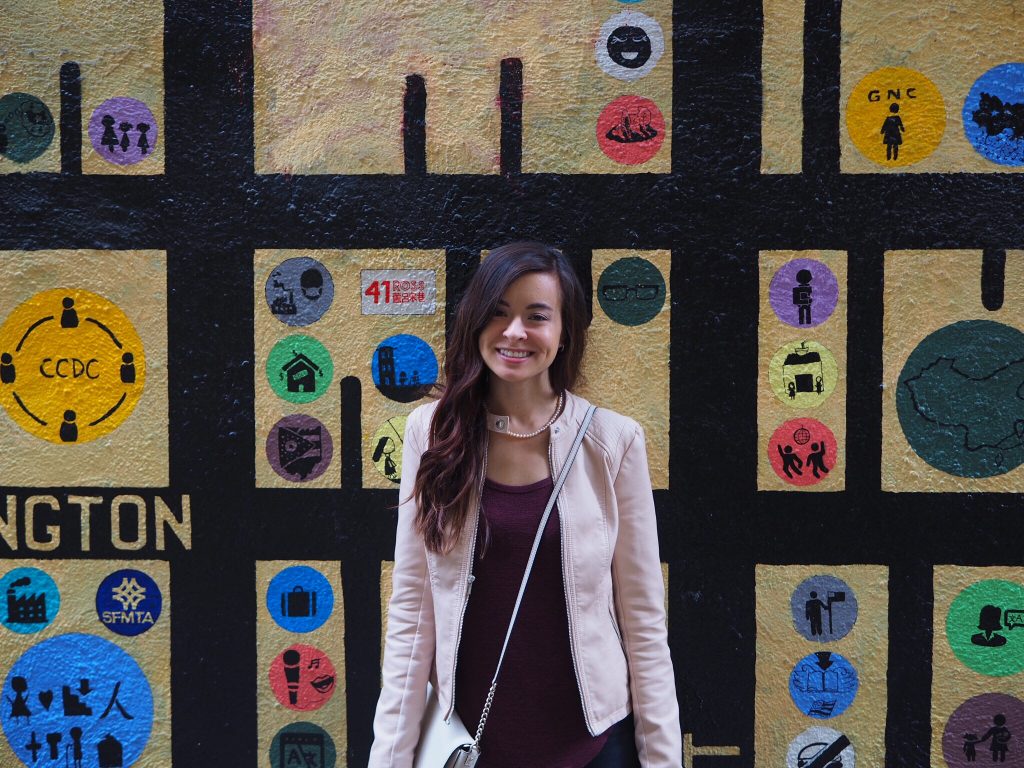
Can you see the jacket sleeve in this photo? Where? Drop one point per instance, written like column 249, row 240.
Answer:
column 640, row 604
column 409, row 645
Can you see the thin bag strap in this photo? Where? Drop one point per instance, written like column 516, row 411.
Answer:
column 529, row 566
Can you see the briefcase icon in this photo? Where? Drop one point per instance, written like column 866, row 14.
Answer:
column 298, row 603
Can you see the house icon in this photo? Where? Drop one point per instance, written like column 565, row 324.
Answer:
column 301, row 373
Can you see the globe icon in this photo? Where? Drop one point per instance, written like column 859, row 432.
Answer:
column 801, row 436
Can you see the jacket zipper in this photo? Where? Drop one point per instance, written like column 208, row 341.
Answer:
column 565, row 590
column 469, row 587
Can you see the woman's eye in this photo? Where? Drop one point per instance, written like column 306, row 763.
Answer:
column 539, row 317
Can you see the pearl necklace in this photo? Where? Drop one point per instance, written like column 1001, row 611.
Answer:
column 501, row 423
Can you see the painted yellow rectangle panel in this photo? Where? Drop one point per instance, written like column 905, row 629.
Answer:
column 351, row 338
column 924, row 292
column 330, row 83
column 77, row 582
column 272, row 639
column 135, row 453
column 780, row 647
column 782, row 84
column 626, row 367
column 774, row 408
column 950, row 44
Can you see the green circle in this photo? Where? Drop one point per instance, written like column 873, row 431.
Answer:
column 985, row 627
column 26, row 127
column 631, row 291
column 302, row 744
column 299, row 369
column 960, row 397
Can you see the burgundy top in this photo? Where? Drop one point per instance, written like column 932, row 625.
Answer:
column 536, row 718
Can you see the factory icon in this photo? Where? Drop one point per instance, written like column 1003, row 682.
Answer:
column 25, row 608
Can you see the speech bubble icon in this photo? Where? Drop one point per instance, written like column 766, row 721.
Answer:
column 1013, row 618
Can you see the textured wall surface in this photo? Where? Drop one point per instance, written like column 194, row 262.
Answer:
column 232, row 235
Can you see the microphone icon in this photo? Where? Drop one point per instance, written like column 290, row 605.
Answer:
column 291, row 659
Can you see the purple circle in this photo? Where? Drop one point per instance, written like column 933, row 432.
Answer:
column 123, row 131
column 299, row 448
column 985, row 729
column 803, row 293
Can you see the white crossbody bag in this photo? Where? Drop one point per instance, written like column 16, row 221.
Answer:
column 447, row 743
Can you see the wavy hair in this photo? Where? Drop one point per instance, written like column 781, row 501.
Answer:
column 451, row 467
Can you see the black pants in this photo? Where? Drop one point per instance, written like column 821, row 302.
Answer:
column 620, row 749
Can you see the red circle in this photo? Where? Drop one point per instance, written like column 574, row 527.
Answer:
column 802, row 439
column 303, row 677
column 630, row 130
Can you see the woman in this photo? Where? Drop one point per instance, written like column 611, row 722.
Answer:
column 587, row 678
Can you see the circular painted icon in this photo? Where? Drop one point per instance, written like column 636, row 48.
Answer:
column 299, row 448
column 803, row 293
column 123, row 131
column 992, row 723
column 631, row 291
column 302, row 745
column 299, row 291
column 820, row 747
column 803, row 374
column 824, row 608
column 404, row 368
column 300, row 599
column 299, row 369
column 985, row 627
column 303, row 678
column 26, row 127
column 630, row 130
column 959, row 398
column 32, row 600
column 72, row 367
column 128, row 602
column 823, row 684
column 77, row 695
column 992, row 115
column 629, row 45
column 387, row 448
column 802, row 451
column 896, row 116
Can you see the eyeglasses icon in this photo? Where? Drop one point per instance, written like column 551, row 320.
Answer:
column 641, row 292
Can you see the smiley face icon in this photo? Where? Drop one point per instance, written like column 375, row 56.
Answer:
column 629, row 45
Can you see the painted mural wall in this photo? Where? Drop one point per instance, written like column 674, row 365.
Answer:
column 232, row 235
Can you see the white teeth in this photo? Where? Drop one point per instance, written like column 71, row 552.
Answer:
column 513, row 353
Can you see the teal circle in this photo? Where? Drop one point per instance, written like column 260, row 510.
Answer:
column 299, row 369
column 302, row 744
column 631, row 291
column 30, row 600
column 960, row 399
column 26, row 127
column 985, row 627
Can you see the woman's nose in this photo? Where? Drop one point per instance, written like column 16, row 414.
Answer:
column 514, row 329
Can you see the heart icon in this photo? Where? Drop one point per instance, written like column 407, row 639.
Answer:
column 46, row 699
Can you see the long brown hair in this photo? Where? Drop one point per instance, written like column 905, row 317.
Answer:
column 451, row 466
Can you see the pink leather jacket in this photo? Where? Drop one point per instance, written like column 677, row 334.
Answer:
column 614, row 594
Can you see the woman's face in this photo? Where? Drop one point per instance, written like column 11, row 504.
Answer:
column 520, row 342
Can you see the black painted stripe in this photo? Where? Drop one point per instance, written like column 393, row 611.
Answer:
column 510, row 94
column 414, row 125
column 70, row 119
column 351, row 432
column 822, row 31
column 993, row 278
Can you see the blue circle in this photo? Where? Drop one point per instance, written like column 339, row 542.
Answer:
column 823, row 685
column 992, row 114
column 960, row 397
column 81, row 682
column 30, row 600
column 128, row 602
column 404, row 367
column 300, row 599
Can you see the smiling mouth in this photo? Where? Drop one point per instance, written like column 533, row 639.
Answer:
column 629, row 55
column 514, row 354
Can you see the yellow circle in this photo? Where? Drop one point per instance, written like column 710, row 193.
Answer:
column 900, row 136
column 803, row 374
column 72, row 367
